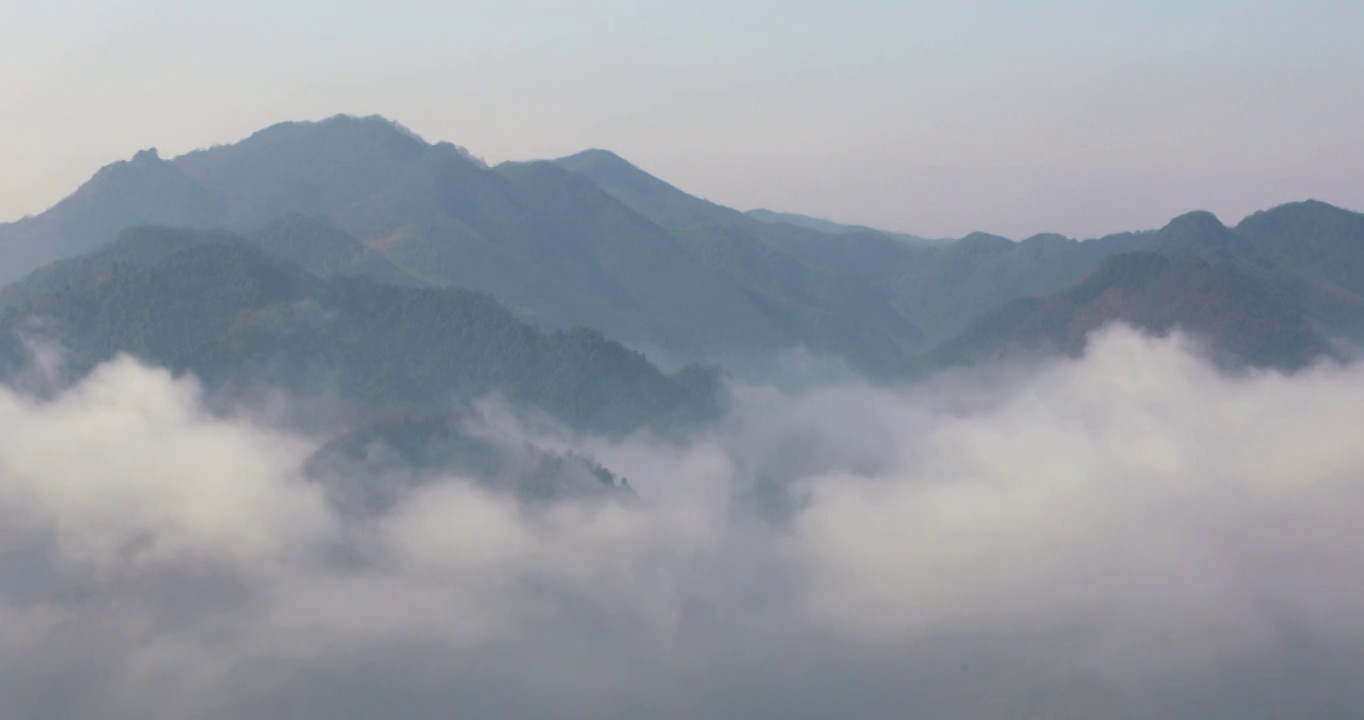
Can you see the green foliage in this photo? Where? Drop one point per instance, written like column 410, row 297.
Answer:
column 1245, row 321
column 369, row 468
column 1314, row 253
column 319, row 247
column 219, row 307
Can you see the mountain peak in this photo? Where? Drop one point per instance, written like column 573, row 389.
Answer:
column 343, row 130
column 608, row 167
column 306, row 166
column 143, row 164
column 981, row 242
column 595, row 155
column 1297, row 213
column 1310, row 204
column 648, row 195
column 1047, row 239
column 374, row 123
column 1200, row 220
column 1198, row 231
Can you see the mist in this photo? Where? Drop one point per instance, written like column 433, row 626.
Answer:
column 1130, row 534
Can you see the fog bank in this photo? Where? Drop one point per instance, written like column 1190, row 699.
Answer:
column 1130, row 534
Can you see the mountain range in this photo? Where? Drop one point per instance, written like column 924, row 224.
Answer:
column 549, row 243
column 404, row 244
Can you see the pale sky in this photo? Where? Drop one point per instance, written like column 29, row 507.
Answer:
column 1077, row 116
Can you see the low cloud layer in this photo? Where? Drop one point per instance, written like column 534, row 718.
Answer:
column 1130, row 534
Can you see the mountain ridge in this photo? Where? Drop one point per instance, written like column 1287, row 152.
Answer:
column 445, row 218
column 218, row 306
column 592, row 240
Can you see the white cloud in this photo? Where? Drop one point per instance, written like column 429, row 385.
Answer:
column 126, row 468
column 1132, row 531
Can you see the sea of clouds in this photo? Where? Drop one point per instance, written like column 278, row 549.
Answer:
column 1130, row 534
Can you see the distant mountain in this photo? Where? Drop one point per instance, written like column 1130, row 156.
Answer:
column 145, row 189
column 1197, row 231
column 645, row 194
column 591, row 240
column 550, row 244
column 782, row 265
column 216, row 305
column 553, row 245
column 1311, row 254
column 939, row 289
column 1314, row 253
column 1244, row 320
column 1312, row 238
column 832, row 228
column 1270, row 292
column 944, row 290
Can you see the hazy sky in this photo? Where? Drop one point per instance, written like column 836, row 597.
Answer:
column 937, row 118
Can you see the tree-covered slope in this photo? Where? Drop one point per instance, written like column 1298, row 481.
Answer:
column 322, row 249
column 218, row 306
column 1313, row 252
column 1243, row 320
column 373, row 466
